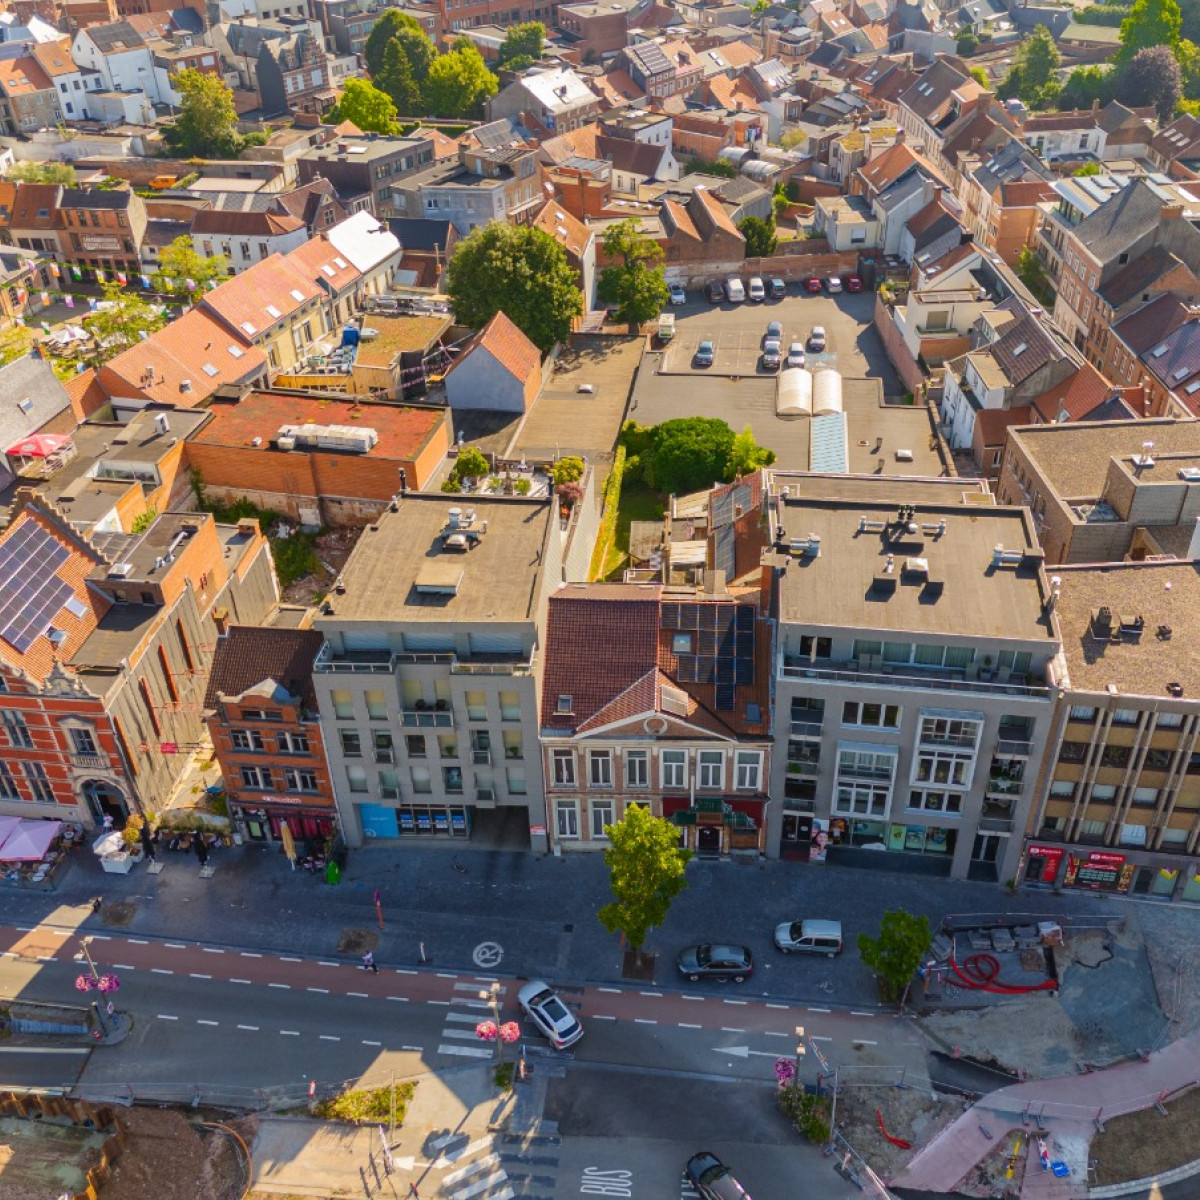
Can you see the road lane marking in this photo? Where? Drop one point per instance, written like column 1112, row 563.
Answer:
column 201, row 1021
column 251, row 1028
column 602, row 1017
column 776, row 1033
column 245, row 953
column 443, row 1003
column 287, row 987
column 366, row 1043
column 444, row 975
column 821, row 1010
column 123, row 967
column 692, row 997
column 197, row 975
column 610, row 991
column 418, row 1049
column 864, row 1042
column 359, row 995
column 174, row 946
column 160, row 971
column 483, row 1185
column 319, row 991
column 735, row 1001
column 403, row 971
column 25, row 928
column 289, row 1033
column 783, row 1006
column 459, row 1033
column 402, row 999
column 819, row 1038
column 212, row 950
column 327, row 964
column 649, row 993
column 286, row 959
column 137, row 941
column 480, row 1164
column 167, row 1017
column 239, row 981
column 465, row 1051
column 96, row 937
column 329, row 1037
column 855, row 1013
column 731, row 1029
column 644, row 1021
column 469, row 1017
column 685, row 1025
column 46, row 1049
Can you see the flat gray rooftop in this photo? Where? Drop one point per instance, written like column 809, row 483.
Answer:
column 976, row 599
column 882, row 489
column 496, row 580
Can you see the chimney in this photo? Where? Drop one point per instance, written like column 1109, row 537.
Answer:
column 221, row 621
column 1095, row 106
column 899, row 139
column 1172, row 211
column 1194, row 545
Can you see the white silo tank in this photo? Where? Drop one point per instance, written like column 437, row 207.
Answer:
column 794, row 394
column 827, row 392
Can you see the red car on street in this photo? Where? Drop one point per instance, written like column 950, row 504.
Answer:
column 812, row 285
column 853, row 283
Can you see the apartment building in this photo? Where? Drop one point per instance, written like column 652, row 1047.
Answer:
column 364, row 170
column 246, row 238
column 557, row 99
column 661, row 699
column 428, row 682
column 913, row 673
column 1120, row 808
column 102, row 228
column 28, row 97
column 261, row 713
column 1108, row 490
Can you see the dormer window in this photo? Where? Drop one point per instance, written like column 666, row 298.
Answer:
column 565, row 704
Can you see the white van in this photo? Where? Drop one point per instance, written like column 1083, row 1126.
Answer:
column 809, row 937
column 735, row 291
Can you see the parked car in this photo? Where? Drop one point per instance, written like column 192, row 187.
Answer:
column 812, row 285
column 853, row 283
column 758, row 293
column 771, row 354
column 809, row 937
column 774, row 332
column 816, row 339
column 777, row 288
column 712, row 1178
column 554, row 1020
column 795, row 355
column 715, row 291
column 735, row 291
column 704, row 355
column 712, row 960
column 677, row 293
column 833, row 284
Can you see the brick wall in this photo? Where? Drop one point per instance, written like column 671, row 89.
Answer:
column 811, row 257
column 906, row 366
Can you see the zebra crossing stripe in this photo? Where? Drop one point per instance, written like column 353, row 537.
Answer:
column 480, row 1164
column 466, row 1051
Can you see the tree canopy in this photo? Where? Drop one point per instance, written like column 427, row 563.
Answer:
column 393, row 24
column 634, row 282
column 1150, row 23
column 522, row 45
column 42, row 172
column 896, row 953
column 182, row 272
column 1151, row 76
column 688, row 454
column 121, row 322
column 395, row 78
column 760, row 237
column 15, row 342
column 366, row 106
column 746, row 455
column 1033, row 77
column 206, row 126
column 646, row 868
column 518, row 270
column 459, row 82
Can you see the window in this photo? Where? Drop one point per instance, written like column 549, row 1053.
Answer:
column 950, row 731
column 421, row 780
column 8, row 789
column 376, row 706
column 343, row 705
column 452, row 779
column 414, row 743
column 1115, row 756
column 1082, row 712
column 357, row 778
column 815, row 647
column 510, row 706
column 384, row 753
column 300, row 780
column 681, row 643
column 248, row 740
column 865, row 764
column 1091, row 830
column 951, row 769
column 600, row 769
column 875, row 716
column 674, row 769
column 711, row 769
column 1170, row 720
column 256, row 778
column 566, row 818
column 749, row 770
column 565, row 704
column 1145, row 797
column 39, row 785
column 17, row 730
column 602, row 817
column 1062, row 787
column 564, row 768
column 637, row 773
column 1073, row 752
column 861, row 800
column 934, row 801
column 293, row 743
column 1125, row 716
column 82, row 741
column 351, row 743
column 1103, row 793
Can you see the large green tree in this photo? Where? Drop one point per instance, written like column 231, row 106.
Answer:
column 518, row 270
column 394, row 25
column 522, row 45
column 1150, row 23
column 687, row 454
column 459, row 82
column 1033, row 77
column 121, row 322
column 364, row 105
column 896, row 953
column 182, row 272
column 1151, row 76
column 746, row 455
column 646, row 872
column 760, row 237
column 395, row 77
column 634, row 282
column 42, row 172
column 206, row 126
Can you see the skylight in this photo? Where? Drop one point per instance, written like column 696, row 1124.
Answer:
column 327, row 269
column 249, row 328
column 1180, row 373
column 236, row 351
column 298, row 296
column 341, row 262
column 210, row 370
column 273, row 311
column 1159, row 351
column 1020, row 349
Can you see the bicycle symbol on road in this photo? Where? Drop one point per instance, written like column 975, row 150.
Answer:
column 488, row 955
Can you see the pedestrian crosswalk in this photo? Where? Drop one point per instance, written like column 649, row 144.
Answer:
column 497, row 1167
column 468, row 1006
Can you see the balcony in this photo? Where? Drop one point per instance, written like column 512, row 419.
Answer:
column 1013, row 746
column 808, row 768
column 953, row 741
column 385, row 662
column 1003, row 785
column 427, row 718
column 485, row 795
column 481, row 758
column 937, row 680
column 807, row 728
column 90, row 762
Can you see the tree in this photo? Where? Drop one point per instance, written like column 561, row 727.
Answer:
column 121, row 322
column 520, row 271
column 1151, row 76
column 746, row 455
column 568, row 470
column 470, row 464
column 14, row 343
column 522, row 45
column 981, row 77
column 896, row 953
column 968, row 42
column 395, row 25
column 1033, row 275
column 646, row 872
column 634, row 282
column 687, row 454
column 760, row 237
column 182, row 272
column 1187, row 54
column 395, row 78
column 1150, row 23
column 206, row 126
column 1034, row 74
column 1090, row 168
column 459, row 82
column 1085, row 85
column 364, row 105
column 42, row 172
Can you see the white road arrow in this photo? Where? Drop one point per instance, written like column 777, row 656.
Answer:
column 744, row 1051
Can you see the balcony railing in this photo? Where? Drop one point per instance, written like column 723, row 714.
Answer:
column 804, row 770
column 1014, row 747
column 932, row 680
column 427, row 718
column 955, row 741
column 385, row 662
column 995, row 824
column 1000, row 785
column 806, row 729
column 90, row 762
column 481, row 757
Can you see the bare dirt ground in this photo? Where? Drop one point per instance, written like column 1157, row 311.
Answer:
column 911, row 1114
column 1147, row 1143
column 332, row 549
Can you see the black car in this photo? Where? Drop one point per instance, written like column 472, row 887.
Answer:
column 715, row 291
column 712, row 961
column 712, row 1178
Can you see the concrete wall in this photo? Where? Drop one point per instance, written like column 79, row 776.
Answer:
column 579, row 540
column 906, row 366
column 789, row 267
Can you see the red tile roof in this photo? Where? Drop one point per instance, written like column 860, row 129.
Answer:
column 250, row 655
column 319, row 261
column 1076, row 396
column 87, row 396
column 23, row 77
column 244, row 224
column 508, row 345
column 242, row 302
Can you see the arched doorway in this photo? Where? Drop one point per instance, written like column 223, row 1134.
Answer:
column 103, row 799
column 708, row 841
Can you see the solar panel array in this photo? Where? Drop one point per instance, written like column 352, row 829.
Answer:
column 31, row 594
column 722, row 646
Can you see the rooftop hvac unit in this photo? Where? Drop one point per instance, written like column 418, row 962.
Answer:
column 285, row 442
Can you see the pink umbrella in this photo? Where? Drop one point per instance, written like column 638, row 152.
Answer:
column 29, row 841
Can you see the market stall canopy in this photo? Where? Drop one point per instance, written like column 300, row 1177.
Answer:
column 29, row 841
column 7, row 825
column 40, row 445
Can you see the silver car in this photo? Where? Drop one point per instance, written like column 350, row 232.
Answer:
column 554, row 1020
column 795, row 355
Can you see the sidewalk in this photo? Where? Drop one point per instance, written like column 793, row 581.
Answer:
column 1067, row 1107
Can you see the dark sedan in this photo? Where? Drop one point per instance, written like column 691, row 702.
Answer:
column 714, row 961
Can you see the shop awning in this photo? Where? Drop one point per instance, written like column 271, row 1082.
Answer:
column 29, row 841
column 40, row 445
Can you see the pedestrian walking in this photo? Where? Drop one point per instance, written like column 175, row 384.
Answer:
column 412, row 1191
column 147, row 841
column 368, row 963
column 201, row 848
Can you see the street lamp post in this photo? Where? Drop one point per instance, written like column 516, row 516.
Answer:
column 799, row 1051
column 94, row 981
